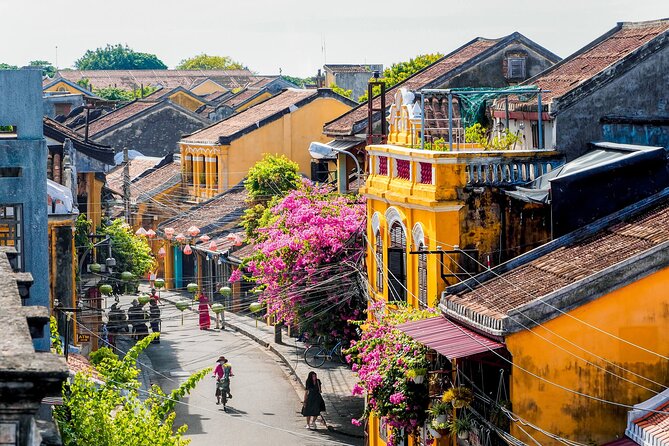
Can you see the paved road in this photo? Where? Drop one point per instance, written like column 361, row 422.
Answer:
column 265, row 405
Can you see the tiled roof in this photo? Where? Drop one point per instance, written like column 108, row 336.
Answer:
column 250, row 117
column 564, row 266
column 222, row 212
column 215, row 96
column 345, row 123
column 597, row 57
column 241, row 97
column 137, row 167
column 247, row 250
column 130, row 79
column 59, row 132
column 119, row 115
column 655, row 426
column 155, row 182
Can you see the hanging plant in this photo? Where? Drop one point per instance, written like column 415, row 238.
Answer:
column 459, row 397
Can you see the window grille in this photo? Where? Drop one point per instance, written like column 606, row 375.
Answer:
column 397, row 264
column 422, row 278
column 425, row 173
column 403, row 169
column 383, row 165
column 379, row 262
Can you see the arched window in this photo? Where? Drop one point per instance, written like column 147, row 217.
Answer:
column 397, row 263
column 379, row 262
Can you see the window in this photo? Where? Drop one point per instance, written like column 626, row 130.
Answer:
column 425, row 173
column 397, row 264
column 422, row 277
column 379, row 262
column 516, row 68
column 383, row 165
column 11, row 229
column 403, row 169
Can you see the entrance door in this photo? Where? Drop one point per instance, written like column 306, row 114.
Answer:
column 397, row 269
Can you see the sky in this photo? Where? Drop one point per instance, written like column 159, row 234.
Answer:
column 299, row 36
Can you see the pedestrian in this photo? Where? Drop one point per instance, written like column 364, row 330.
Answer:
column 137, row 318
column 203, row 308
column 154, row 295
column 312, row 403
column 222, row 373
column 117, row 323
column 154, row 319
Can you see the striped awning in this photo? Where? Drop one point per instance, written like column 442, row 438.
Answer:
column 448, row 338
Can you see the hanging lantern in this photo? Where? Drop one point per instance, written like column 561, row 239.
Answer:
column 193, row 231
column 181, row 305
column 217, row 308
column 213, row 246
column 95, row 267
column 204, row 238
column 106, row 289
column 225, row 291
column 162, row 252
column 126, row 275
column 192, row 287
column 255, row 307
column 169, row 233
column 235, row 239
column 159, row 283
column 188, row 250
column 180, row 238
column 140, row 232
column 143, row 299
column 150, row 233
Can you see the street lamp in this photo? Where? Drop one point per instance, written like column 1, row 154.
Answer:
column 320, row 151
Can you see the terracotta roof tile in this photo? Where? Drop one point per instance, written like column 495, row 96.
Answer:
column 137, row 167
column 241, row 97
column 345, row 123
column 567, row 265
column 655, row 425
column 155, row 182
column 119, row 115
column 250, row 117
column 592, row 60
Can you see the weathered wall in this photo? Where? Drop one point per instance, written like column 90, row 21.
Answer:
column 641, row 91
column 21, row 105
column 154, row 134
column 637, row 313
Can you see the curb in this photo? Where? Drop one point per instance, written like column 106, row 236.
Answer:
column 273, row 349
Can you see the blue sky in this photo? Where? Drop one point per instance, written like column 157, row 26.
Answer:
column 268, row 35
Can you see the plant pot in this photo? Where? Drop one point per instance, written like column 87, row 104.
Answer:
column 434, row 433
column 441, row 418
column 418, row 379
column 463, row 435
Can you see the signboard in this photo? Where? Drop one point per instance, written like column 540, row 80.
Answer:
column 82, row 337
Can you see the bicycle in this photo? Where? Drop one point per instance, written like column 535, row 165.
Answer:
column 316, row 355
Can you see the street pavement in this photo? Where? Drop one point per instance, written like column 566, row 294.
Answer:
column 266, row 391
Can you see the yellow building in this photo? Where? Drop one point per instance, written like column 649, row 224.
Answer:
column 179, row 95
column 219, row 156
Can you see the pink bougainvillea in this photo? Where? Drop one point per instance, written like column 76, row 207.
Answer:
column 308, row 260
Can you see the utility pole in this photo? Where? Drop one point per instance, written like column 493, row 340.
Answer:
column 126, row 184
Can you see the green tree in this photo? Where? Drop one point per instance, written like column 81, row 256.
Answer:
column 268, row 180
column 47, row 68
column 206, row 62
column 118, row 57
column 341, row 91
column 118, row 94
column 300, row 81
column 132, row 252
column 400, row 71
column 5, row 66
column 110, row 412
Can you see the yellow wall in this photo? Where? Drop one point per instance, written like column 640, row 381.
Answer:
column 94, row 204
column 186, row 101
column 638, row 313
column 289, row 135
column 256, row 100
column 208, row 87
column 61, row 87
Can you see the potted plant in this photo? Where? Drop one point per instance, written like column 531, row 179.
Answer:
column 459, row 397
column 439, row 411
column 437, row 428
column 461, row 426
column 417, row 374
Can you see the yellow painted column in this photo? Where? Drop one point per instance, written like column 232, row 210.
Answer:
column 196, row 175
column 219, row 174
column 169, row 266
column 210, row 163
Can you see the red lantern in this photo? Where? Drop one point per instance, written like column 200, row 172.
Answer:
column 141, row 232
column 187, row 250
column 150, row 233
column 204, row 238
column 193, row 231
column 180, row 238
column 162, row 252
column 213, row 246
column 169, row 232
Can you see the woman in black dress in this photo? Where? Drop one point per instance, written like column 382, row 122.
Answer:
column 312, row 403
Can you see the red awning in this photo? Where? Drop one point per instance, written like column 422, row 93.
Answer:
column 448, row 338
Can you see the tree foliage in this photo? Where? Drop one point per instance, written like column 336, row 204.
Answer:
column 400, row 71
column 118, row 57
column 132, row 252
column 118, row 94
column 47, row 68
column 300, row 81
column 110, row 413
column 206, row 62
column 6, row 66
column 341, row 91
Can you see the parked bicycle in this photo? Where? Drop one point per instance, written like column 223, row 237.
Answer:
column 316, row 355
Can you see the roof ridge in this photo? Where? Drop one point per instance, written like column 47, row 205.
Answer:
column 644, row 23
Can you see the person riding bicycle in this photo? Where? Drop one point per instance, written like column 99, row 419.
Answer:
column 222, row 373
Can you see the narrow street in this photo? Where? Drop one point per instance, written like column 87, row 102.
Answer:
column 265, row 405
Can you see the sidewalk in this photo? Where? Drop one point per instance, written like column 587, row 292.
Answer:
column 338, row 380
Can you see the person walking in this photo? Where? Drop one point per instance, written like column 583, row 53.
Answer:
column 203, row 309
column 117, row 323
column 312, row 403
column 222, row 373
column 154, row 319
column 137, row 318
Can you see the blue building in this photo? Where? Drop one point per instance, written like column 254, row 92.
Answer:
column 23, row 194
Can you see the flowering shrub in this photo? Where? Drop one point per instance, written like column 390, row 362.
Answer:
column 381, row 359
column 308, row 258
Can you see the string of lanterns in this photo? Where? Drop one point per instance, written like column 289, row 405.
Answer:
column 188, row 239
